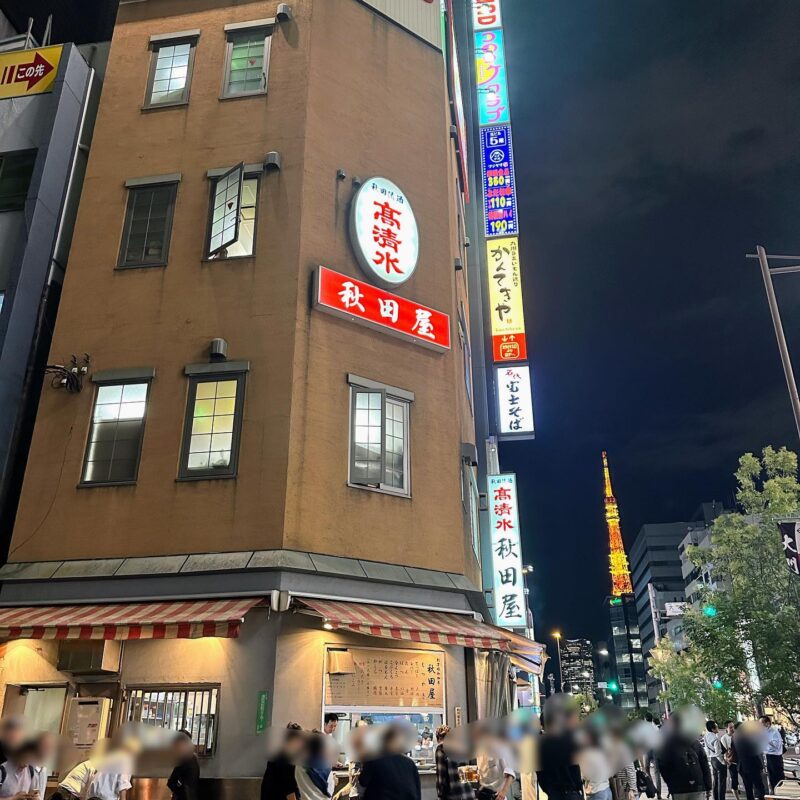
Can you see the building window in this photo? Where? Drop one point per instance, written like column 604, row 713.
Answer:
column 379, row 437
column 170, row 72
column 177, row 708
column 213, row 426
column 15, row 178
column 232, row 215
column 115, row 438
column 148, row 223
column 471, row 498
column 247, row 62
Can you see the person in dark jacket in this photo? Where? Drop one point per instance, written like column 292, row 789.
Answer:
column 393, row 775
column 279, row 782
column 747, row 743
column 184, row 782
column 683, row 764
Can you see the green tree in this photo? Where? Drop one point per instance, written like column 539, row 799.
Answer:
column 686, row 683
column 750, row 623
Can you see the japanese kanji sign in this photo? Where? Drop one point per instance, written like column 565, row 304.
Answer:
column 27, row 72
column 499, row 189
column 514, row 401
column 486, row 14
column 388, row 679
column 384, row 232
column 508, row 581
column 491, row 78
column 505, row 300
column 790, row 534
column 361, row 302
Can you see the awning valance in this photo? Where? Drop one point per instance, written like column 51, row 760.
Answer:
column 182, row 619
column 418, row 625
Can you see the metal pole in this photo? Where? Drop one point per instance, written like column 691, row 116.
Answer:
column 560, row 674
column 776, row 321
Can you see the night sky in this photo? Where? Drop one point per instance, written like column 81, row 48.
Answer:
column 656, row 142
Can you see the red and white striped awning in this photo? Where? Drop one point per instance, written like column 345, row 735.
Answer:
column 186, row 619
column 415, row 625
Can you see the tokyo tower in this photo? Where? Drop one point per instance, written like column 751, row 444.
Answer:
column 620, row 573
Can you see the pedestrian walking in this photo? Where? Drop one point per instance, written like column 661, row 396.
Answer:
column 595, row 768
column 716, row 758
column 650, row 765
column 73, row 786
column 773, row 752
column 184, row 781
column 729, row 751
column 747, row 743
column 449, row 785
column 558, row 773
column 683, row 764
column 393, row 775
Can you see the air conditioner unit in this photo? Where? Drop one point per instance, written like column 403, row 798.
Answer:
column 89, row 657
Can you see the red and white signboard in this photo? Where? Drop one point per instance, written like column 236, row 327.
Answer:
column 486, row 14
column 376, row 308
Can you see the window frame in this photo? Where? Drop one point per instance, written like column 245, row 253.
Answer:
column 11, row 154
column 186, row 689
column 231, row 33
column 356, row 386
column 127, row 221
column 248, row 173
column 99, row 384
column 184, row 473
column 154, row 47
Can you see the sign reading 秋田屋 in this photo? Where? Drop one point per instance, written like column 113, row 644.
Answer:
column 28, row 72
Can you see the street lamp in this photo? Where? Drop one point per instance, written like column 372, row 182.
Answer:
column 557, row 637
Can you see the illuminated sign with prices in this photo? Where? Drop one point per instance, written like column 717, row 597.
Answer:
column 499, row 188
column 376, row 308
column 508, row 580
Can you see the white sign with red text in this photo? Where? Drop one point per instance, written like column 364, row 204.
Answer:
column 486, row 14
column 384, row 232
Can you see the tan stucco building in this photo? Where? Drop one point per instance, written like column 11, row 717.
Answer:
column 304, row 459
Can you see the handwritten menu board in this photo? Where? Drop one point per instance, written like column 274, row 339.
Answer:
column 390, row 679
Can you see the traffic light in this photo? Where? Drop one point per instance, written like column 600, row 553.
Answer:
column 710, row 610
column 717, row 683
column 613, row 687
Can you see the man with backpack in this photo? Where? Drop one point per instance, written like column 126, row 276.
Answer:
column 683, row 764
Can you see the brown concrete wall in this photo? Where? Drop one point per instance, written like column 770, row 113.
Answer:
column 165, row 317
column 388, row 99
column 347, row 89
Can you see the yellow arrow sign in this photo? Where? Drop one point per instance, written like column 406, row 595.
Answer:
column 27, row 72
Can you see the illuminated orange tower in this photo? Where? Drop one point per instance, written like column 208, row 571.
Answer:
column 620, row 573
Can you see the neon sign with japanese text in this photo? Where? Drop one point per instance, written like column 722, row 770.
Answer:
column 508, row 581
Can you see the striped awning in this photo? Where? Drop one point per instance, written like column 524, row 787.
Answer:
column 415, row 625
column 187, row 619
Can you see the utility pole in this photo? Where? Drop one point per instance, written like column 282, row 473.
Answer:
column 766, row 273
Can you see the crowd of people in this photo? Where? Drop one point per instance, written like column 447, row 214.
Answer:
column 562, row 756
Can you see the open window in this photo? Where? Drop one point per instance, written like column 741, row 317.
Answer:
column 231, row 217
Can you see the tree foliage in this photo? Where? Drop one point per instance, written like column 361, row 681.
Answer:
column 756, row 628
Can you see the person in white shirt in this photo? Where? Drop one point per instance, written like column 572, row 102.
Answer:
column 20, row 776
column 729, row 752
column 773, row 751
column 496, row 770
column 75, row 781
column 716, row 759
